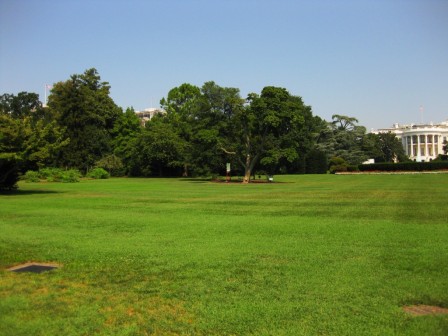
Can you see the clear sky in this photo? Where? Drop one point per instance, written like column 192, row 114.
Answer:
column 376, row 60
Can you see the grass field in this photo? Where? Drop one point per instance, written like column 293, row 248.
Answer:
column 310, row 255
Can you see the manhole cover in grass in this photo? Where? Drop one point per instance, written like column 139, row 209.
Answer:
column 34, row 267
column 419, row 310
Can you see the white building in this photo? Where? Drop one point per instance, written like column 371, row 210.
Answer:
column 421, row 142
column 148, row 113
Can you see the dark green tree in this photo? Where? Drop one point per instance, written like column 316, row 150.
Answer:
column 202, row 118
column 25, row 104
column 84, row 108
column 182, row 106
column 158, row 150
column 316, row 162
column 269, row 129
column 344, row 139
column 29, row 131
column 126, row 130
column 386, row 147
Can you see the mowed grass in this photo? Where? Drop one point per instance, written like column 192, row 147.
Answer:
column 309, row 255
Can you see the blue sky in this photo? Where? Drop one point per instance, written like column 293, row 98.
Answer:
column 376, row 60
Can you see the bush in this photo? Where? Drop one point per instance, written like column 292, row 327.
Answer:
column 51, row 174
column 338, row 164
column 405, row 166
column 9, row 172
column 55, row 175
column 71, row 175
column 98, row 173
column 31, row 176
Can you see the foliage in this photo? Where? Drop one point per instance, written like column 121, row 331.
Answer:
column 111, row 163
column 59, row 175
column 405, row 166
column 314, row 255
column 343, row 138
column 29, row 131
column 84, row 108
column 338, row 164
column 385, row 147
column 21, row 106
column 51, row 174
column 98, row 173
column 203, row 129
column 31, row 176
column 316, row 162
column 158, row 150
column 126, row 129
column 9, row 171
column 270, row 129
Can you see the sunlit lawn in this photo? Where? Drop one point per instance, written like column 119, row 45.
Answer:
column 308, row 255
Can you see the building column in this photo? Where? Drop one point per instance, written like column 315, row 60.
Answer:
column 418, row 148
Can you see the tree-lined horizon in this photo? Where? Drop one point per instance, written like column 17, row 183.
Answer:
column 203, row 128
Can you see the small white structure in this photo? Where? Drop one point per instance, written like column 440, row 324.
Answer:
column 421, row 142
column 148, row 113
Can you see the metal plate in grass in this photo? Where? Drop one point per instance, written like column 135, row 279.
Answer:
column 420, row 310
column 34, row 267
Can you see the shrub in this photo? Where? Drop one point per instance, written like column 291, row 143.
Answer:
column 71, row 175
column 9, row 172
column 59, row 175
column 31, row 176
column 405, row 166
column 51, row 174
column 98, row 173
column 338, row 164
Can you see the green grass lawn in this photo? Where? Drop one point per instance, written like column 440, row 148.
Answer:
column 310, row 255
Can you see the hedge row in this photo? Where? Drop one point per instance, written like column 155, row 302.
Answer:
column 61, row 175
column 405, row 166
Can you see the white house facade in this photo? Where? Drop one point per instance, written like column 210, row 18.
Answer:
column 421, row 142
column 148, row 113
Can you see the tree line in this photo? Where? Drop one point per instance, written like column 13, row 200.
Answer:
column 202, row 129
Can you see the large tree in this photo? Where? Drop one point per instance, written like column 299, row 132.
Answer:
column 29, row 131
column 343, row 138
column 158, row 150
column 386, row 147
column 84, row 108
column 182, row 106
column 25, row 104
column 268, row 130
column 126, row 130
column 203, row 119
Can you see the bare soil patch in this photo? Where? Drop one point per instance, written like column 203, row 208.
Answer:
column 34, row 267
column 420, row 310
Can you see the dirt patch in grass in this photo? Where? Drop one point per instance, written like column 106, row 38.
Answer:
column 34, row 267
column 420, row 310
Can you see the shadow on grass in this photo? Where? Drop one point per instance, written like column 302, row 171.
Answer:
column 195, row 180
column 18, row 192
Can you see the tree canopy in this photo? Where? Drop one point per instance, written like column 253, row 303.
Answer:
column 82, row 106
column 201, row 129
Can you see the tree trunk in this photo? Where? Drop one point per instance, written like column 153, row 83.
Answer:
column 185, row 173
column 247, row 169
